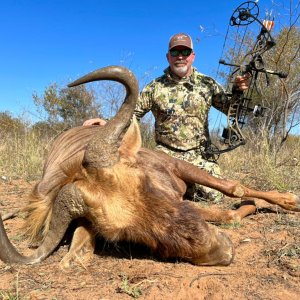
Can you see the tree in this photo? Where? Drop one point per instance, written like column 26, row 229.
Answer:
column 69, row 106
column 284, row 100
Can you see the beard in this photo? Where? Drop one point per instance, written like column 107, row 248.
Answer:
column 180, row 71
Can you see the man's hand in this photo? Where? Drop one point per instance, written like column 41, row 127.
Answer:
column 242, row 82
column 96, row 121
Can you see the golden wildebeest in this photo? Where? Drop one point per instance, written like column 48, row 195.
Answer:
column 127, row 193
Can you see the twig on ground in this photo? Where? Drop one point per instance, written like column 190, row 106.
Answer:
column 167, row 274
column 208, row 274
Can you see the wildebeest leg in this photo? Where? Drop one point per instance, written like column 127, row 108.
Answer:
column 82, row 246
column 227, row 216
column 190, row 173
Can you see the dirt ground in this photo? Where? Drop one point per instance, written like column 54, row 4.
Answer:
column 266, row 265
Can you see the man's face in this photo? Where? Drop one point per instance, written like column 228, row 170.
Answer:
column 180, row 59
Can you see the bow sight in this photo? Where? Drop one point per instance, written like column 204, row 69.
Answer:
column 252, row 63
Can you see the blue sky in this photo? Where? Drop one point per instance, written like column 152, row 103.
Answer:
column 57, row 41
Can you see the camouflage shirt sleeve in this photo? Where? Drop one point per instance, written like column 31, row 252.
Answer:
column 144, row 103
column 220, row 99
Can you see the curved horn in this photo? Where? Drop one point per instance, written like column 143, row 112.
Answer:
column 102, row 150
column 68, row 206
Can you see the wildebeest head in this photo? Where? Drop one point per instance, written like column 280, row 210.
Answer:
column 100, row 150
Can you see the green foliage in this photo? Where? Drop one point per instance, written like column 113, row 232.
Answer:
column 69, row 106
column 48, row 130
column 129, row 289
column 8, row 296
column 233, row 225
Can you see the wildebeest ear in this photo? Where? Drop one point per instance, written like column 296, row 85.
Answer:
column 132, row 140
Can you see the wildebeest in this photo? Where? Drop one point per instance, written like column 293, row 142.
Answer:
column 102, row 176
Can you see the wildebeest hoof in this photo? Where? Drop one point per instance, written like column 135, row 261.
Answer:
column 72, row 259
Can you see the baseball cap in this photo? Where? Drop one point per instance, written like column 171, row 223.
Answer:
column 180, row 39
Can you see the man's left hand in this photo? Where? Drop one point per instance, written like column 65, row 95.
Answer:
column 242, row 82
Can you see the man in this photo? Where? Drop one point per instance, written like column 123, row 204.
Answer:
column 180, row 101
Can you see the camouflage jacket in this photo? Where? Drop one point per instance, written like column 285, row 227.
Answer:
column 181, row 108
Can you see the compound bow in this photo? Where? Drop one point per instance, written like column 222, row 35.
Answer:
column 238, row 102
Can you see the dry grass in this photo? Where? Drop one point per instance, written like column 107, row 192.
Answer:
column 257, row 166
column 22, row 153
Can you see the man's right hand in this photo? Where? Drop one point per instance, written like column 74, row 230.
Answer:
column 96, row 121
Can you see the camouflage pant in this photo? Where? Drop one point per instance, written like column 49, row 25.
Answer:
column 197, row 192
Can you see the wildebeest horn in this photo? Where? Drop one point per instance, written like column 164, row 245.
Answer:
column 102, row 150
column 68, row 206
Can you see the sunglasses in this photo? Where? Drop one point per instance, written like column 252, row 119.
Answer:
column 184, row 52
